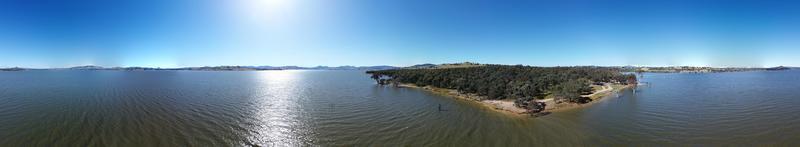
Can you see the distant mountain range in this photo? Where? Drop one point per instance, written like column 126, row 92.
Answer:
column 692, row 69
column 11, row 69
column 446, row 65
column 384, row 67
column 213, row 68
column 779, row 68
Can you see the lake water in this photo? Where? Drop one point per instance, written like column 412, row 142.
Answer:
column 342, row 108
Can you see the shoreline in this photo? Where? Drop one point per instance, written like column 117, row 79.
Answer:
column 507, row 105
column 596, row 97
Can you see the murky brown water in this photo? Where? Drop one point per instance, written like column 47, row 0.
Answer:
column 335, row 108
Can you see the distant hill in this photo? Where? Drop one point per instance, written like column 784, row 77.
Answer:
column 88, row 67
column 446, row 65
column 421, row 66
column 778, row 68
column 12, row 69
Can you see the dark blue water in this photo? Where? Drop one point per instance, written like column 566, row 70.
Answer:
column 343, row 108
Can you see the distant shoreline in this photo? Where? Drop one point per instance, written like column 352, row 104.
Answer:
column 209, row 68
column 691, row 69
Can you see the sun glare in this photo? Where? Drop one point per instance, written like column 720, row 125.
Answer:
column 267, row 12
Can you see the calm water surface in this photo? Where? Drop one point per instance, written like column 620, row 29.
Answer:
column 340, row 108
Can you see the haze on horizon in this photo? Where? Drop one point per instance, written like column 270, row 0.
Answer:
column 183, row 33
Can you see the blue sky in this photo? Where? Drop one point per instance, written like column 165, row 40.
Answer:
column 179, row 33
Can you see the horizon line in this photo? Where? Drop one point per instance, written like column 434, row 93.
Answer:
column 383, row 65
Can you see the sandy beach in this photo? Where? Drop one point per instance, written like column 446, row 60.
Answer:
column 507, row 105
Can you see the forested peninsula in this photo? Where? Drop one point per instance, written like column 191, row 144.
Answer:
column 529, row 88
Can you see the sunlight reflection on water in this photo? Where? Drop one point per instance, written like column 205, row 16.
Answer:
column 278, row 110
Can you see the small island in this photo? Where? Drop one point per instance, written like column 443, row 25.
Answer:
column 512, row 88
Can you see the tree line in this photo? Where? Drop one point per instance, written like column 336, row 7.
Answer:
column 523, row 83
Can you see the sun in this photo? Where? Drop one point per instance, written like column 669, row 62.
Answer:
column 265, row 12
column 275, row 4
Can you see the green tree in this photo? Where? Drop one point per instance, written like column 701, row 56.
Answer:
column 571, row 91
